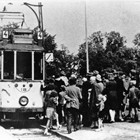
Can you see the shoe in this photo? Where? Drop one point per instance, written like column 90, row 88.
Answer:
column 132, row 120
column 80, row 126
column 121, row 120
column 99, row 129
column 69, row 132
column 76, row 129
column 47, row 133
column 112, row 121
column 58, row 127
column 94, row 127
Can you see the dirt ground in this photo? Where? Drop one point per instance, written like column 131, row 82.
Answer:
column 111, row 131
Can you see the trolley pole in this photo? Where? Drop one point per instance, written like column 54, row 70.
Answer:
column 40, row 17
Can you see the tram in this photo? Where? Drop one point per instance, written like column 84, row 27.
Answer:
column 22, row 72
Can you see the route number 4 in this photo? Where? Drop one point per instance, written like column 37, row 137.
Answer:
column 49, row 57
column 40, row 35
column 5, row 34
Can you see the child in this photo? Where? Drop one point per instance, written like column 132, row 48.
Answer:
column 52, row 102
column 100, row 106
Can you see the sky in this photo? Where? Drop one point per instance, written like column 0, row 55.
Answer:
column 66, row 18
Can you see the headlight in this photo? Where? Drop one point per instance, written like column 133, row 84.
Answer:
column 16, row 85
column 23, row 101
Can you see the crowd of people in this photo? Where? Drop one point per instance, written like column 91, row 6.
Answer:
column 89, row 101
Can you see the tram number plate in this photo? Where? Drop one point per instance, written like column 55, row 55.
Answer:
column 5, row 34
column 23, row 89
column 40, row 35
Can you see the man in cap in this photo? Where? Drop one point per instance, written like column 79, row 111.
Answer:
column 73, row 97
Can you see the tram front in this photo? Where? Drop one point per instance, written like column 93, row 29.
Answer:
column 22, row 72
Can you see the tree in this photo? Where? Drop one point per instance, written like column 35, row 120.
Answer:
column 115, row 46
column 95, row 47
column 114, row 41
column 96, row 39
column 136, row 40
column 49, row 42
column 107, row 51
column 63, row 60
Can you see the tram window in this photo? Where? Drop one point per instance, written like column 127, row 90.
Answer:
column 8, row 65
column 38, row 71
column 24, row 64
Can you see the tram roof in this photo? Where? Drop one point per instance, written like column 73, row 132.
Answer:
column 21, row 47
column 23, row 31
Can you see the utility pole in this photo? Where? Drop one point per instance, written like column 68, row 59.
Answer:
column 87, row 55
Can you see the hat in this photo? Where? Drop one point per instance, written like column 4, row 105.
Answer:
column 92, row 79
column 84, row 79
column 111, row 77
column 73, row 75
column 53, row 94
column 98, row 77
column 95, row 72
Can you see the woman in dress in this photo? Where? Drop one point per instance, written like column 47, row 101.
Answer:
column 112, row 98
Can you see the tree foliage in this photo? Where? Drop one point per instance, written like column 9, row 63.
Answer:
column 63, row 60
column 49, row 42
column 108, row 51
column 114, row 41
column 136, row 40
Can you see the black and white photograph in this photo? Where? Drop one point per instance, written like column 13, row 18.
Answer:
column 70, row 69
